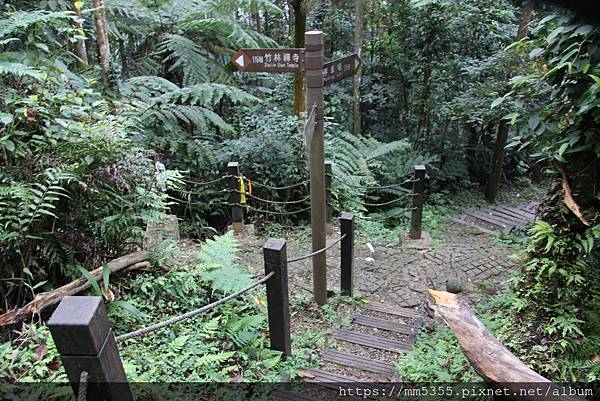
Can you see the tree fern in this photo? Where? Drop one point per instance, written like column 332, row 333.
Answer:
column 185, row 55
column 20, row 21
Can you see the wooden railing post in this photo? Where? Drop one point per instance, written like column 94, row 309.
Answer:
column 417, row 211
column 85, row 340
column 347, row 254
column 237, row 212
column 329, row 211
column 275, row 256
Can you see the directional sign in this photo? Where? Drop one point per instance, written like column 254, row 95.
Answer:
column 341, row 68
column 269, row 60
column 309, row 127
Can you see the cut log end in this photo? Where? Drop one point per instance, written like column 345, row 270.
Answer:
column 492, row 360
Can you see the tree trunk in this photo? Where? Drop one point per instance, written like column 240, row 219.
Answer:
column 526, row 14
column 359, row 13
column 42, row 301
column 492, row 361
column 423, row 127
column 102, row 38
column 491, row 189
column 80, row 48
column 299, row 8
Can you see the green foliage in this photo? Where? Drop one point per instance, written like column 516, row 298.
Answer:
column 74, row 188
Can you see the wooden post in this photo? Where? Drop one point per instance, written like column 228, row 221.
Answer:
column 329, row 211
column 84, row 338
column 313, row 64
column 237, row 212
column 347, row 254
column 275, row 256
column 417, row 212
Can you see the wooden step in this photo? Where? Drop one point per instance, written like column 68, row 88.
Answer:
column 526, row 214
column 514, row 215
column 322, row 376
column 504, row 226
column 372, row 341
column 336, row 382
column 358, row 362
column 506, row 216
column 383, row 324
column 473, row 225
column 412, row 338
column 392, row 310
column 283, row 395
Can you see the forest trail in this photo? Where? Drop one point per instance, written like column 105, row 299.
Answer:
column 393, row 281
column 398, row 274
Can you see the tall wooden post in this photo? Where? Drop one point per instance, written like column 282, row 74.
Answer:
column 275, row 256
column 347, row 254
column 417, row 212
column 84, row 338
column 313, row 64
column 237, row 212
column 329, row 211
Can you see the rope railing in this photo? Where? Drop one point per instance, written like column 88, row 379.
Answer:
column 310, row 255
column 258, row 198
column 82, row 393
column 222, row 191
column 195, row 312
column 399, row 184
column 258, row 184
column 264, row 210
column 387, row 217
column 403, row 197
column 201, row 183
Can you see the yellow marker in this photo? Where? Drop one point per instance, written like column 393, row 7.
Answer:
column 242, row 190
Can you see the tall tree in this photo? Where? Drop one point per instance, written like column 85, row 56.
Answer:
column 299, row 7
column 80, row 48
column 493, row 182
column 359, row 14
column 102, row 38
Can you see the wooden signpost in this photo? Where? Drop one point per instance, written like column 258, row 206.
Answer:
column 307, row 61
column 341, row 68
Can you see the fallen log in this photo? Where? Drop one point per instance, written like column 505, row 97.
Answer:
column 492, row 360
column 46, row 299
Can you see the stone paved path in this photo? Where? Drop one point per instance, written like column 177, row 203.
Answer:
column 397, row 274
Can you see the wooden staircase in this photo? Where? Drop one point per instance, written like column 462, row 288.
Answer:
column 396, row 330
column 498, row 218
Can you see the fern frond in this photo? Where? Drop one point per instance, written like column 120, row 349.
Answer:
column 20, row 21
column 21, row 70
column 225, row 32
column 186, row 56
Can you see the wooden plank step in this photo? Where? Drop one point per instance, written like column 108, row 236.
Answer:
column 505, row 216
column 523, row 209
column 507, row 212
column 372, row 341
column 412, row 339
column 282, row 395
column 488, row 219
column 333, row 381
column 473, row 225
column 392, row 310
column 383, row 324
column 313, row 375
column 526, row 214
column 358, row 362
